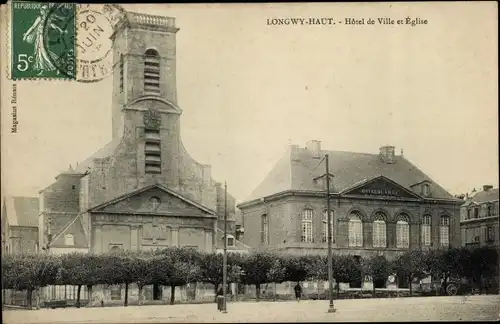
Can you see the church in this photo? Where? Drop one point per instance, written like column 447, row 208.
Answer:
column 142, row 190
column 380, row 204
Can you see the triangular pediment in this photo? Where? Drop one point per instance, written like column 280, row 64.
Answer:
column 381, row 187
column 156, row 200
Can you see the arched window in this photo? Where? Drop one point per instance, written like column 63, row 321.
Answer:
column 444, row 231
column 426, row 230
column 403, row 232
column 325, row 225
column 307, row 216
column 152, row 72
column 69, row 239
column 355, row 230
column 379, row 231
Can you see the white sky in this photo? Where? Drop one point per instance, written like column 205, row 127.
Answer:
column 247, row 88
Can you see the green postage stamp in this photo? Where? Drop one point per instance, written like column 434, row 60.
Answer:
column 43, row 40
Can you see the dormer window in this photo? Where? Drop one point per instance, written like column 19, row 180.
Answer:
column 230, row 240
column 426, row 190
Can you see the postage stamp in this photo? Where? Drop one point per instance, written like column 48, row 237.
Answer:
column 43, row 40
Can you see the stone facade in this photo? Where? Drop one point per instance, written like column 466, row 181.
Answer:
column 19, row 225
column 384, row 185
column 104, row 202
column 479, row 218
column 285, row 224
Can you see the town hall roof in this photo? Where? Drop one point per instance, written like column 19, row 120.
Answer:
column 297, row 169
column 21, row 211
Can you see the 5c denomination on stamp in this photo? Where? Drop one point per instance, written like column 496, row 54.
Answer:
column 43, row 40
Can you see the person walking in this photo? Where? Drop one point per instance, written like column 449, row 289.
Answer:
column 298, row 291
column 220, row 300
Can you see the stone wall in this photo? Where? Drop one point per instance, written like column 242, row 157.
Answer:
column 284, row 217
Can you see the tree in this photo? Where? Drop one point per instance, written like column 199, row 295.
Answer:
column 181, row 266
column 256, row 267
column 30, row 272
column 277, row 273
column 143, row 271
column 411, row 265
column 379, row 268
column 484, row 263
column 344, row 269
column 317, row 269
column 211, row 267
column 79, row 269
column 297, row 267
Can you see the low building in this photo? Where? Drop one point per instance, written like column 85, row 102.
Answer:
column 479, row 218
column 20, row 225
column 380, row 204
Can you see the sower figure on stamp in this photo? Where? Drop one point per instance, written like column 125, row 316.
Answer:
column 36, row 34
column 298, row 291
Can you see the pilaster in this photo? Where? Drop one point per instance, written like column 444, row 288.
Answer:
column 175, row 236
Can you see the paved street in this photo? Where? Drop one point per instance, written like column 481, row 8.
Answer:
column 471, row 308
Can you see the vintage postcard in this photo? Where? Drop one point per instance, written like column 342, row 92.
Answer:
column 249, row 162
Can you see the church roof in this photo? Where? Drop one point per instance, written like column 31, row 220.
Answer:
column 21, row 211
column 100, row 154
column 297, row 169
column 61, row 227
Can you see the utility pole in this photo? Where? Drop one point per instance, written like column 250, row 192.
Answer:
column 331, row 308
column 224, row 264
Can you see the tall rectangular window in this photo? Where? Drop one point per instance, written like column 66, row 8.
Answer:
column 307, row 217
column 152, row 151
column 355, row 230
column 426, row 231
column 476, row 212
column 444, row 231
column 325, row 226
column 264, row 231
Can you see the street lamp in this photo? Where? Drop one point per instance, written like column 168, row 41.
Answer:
column 331, row 308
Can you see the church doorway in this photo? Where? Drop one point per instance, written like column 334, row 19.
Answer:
column 157, row 292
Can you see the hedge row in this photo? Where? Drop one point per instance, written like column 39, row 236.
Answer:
column 179, row 266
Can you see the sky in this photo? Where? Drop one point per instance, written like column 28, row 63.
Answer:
column 248, row 89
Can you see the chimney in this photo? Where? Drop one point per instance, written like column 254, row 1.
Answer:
column 487, row 187
column 315, row 148
column 387, row 153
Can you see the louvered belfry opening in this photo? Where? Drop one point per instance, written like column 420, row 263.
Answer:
column 151, row 72
column 152, row 150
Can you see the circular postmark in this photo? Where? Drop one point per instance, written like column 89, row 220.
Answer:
column 92, row 44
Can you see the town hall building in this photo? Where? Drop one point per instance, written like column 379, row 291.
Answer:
column 380, row 204
column 143, row 190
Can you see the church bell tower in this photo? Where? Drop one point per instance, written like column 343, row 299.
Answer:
column 144, row 107
column 144, row 67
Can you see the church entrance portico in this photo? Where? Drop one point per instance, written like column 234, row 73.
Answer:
column 151, row 218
